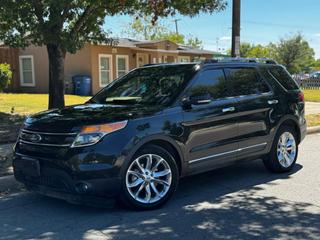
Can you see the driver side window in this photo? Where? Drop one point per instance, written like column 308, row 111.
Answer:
column 209, row 83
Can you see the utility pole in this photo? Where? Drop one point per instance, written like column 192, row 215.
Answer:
column 176, row 23
column 236, row 12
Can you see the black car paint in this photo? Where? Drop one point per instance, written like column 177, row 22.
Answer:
column 203, row 137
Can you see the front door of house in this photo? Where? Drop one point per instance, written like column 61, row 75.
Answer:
column 142, row 59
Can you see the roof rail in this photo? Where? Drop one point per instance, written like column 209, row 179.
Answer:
column 241, row 60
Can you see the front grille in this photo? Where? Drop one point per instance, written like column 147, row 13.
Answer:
column 46, row 139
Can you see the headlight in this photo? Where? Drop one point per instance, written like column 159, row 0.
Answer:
column 90, row 135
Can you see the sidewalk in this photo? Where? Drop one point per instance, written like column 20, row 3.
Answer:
column 312, row 108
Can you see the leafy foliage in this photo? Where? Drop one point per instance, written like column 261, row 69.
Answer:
column 72, row 23
column 66, row 25
column 293, row 52
column 145, row 29
column 5, row 76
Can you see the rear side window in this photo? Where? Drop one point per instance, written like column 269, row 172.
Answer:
column 283, row 77
column 245, row 81
column 211, row 83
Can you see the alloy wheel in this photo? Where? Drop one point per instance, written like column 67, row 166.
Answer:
column 148, row 178
column 286, row 149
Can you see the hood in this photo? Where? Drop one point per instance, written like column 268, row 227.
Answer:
column 72, row 118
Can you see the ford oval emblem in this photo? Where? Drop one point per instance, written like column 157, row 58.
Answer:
column 34, row 138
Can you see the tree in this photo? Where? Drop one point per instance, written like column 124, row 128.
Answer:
column 248, row 50
column 294, row 53
column 194, row 42
column 66, row 25
column 144, row 29
column 316, row 65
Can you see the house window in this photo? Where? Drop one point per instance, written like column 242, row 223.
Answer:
column 26, row 71
column 105, row 69
column 183, row 59
column 122, row 65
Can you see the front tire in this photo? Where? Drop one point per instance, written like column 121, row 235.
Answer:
column 284, row 151
column 150, row 179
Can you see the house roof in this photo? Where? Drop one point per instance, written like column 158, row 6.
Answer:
column 132, row 43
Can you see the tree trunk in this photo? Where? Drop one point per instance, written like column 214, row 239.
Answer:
column 56, row 75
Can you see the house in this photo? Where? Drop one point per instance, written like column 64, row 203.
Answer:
column 103, row 63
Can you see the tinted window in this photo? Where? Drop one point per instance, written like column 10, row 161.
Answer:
column 147, row 86
column 283, row 77
column 245, row 81
column 211, row 83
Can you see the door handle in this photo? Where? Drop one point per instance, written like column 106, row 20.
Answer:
column 229, row 109
column 272, row 102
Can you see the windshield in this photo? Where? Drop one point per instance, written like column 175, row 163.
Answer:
column 158, row 85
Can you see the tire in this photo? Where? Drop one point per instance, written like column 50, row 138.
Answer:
column 147, row 187
column 280, row 160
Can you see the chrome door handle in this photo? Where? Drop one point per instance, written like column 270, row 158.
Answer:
column 229, row 109
column 272, row 102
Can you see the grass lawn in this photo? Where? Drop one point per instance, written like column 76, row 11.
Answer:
column 313, row 120
column 25, row 104
column 312, row 95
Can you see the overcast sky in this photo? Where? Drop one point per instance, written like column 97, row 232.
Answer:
column 262, row 21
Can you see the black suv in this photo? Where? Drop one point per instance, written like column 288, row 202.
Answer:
column 137, row 137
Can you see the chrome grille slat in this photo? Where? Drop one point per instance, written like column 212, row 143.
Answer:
column 46, row 133
column 45, row 144
column 47, row 139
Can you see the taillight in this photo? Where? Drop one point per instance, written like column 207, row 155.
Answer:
column 301, row 97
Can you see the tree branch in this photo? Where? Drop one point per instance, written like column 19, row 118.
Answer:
column 38, row 10
column 82, row 19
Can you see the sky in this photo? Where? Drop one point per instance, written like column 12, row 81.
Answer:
column 262, row 21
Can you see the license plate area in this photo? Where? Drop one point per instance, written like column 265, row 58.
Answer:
column 30, row 167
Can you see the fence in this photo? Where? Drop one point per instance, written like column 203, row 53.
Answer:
column 308, row 83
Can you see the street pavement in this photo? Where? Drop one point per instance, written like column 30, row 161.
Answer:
column 238, row 202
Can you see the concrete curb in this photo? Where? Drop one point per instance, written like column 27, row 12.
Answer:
column 312, row 130
column 9, row 182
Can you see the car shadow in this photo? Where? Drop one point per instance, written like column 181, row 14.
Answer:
column 221, row 204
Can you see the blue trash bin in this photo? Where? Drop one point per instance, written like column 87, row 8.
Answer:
column 82, row 85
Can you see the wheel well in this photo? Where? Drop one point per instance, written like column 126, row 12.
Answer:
column 170, row 148
column 294, row 125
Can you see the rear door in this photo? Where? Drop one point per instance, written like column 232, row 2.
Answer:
column 255, row 104
column 210, row 126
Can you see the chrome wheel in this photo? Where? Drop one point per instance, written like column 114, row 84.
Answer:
column 286, row 149
column 148, row 178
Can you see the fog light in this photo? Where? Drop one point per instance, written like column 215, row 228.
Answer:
column 82, row 187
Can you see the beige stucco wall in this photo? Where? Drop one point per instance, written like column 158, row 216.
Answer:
column 75, row 64
column 86, row 62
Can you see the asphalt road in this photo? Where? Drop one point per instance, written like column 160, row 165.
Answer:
column 239, row 202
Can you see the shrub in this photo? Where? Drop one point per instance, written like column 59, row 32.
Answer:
column 5, row 75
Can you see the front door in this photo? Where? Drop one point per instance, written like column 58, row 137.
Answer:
column 142, row 59
column 210, row 123
column 255, row 103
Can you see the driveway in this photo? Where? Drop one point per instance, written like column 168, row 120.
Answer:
column 238, row 202
column 312, row 108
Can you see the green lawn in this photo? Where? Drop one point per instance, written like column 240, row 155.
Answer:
column 25, row 104
column 313, row 120
column 312, row 95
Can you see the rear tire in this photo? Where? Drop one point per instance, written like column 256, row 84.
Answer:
column 284, row 151
column 150, row 178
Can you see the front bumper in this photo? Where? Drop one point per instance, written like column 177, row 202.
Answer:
column 84, row 187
